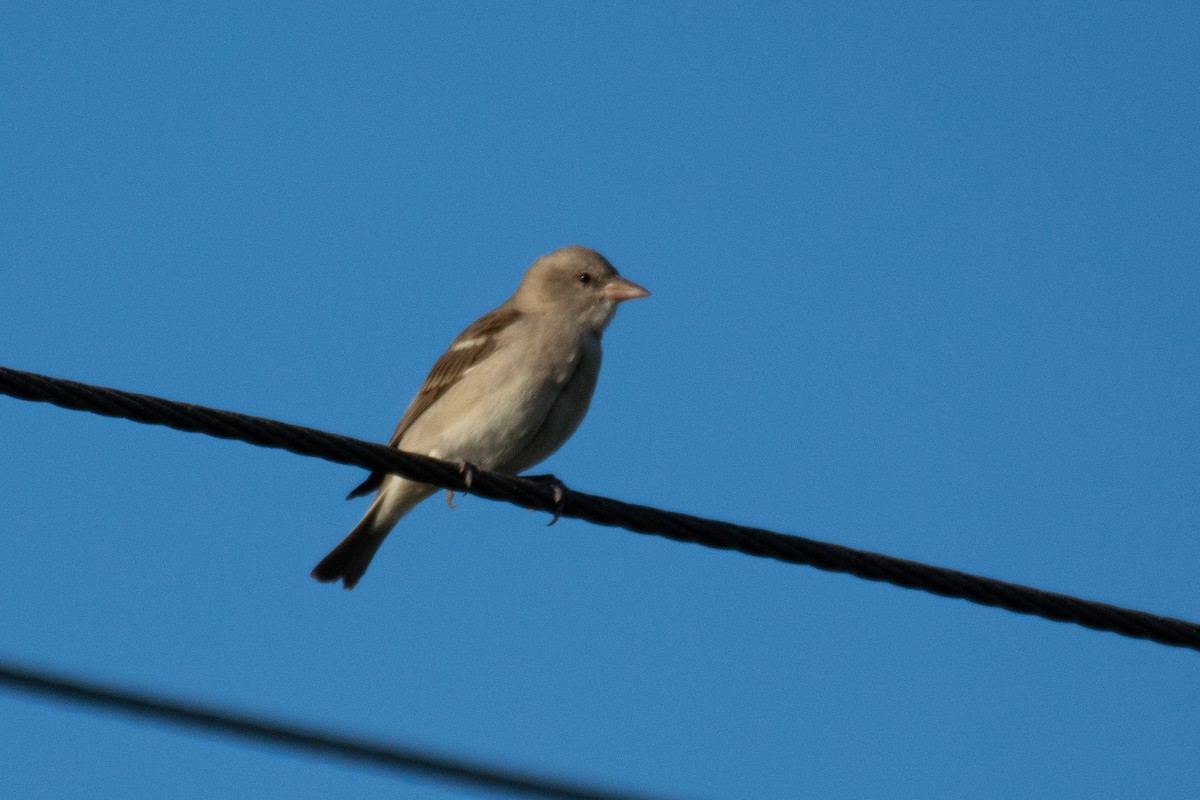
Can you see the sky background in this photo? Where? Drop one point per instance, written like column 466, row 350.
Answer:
column 926, row 281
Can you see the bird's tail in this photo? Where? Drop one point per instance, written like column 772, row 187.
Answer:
column 350, row 558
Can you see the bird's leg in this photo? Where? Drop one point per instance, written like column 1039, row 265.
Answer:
column 467, row 470
column 557, row 488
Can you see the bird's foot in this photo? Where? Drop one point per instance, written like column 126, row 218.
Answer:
column 467, row 471
column 557, row 488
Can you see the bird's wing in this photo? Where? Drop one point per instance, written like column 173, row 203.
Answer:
column 477, row 342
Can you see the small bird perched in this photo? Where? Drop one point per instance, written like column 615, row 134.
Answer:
column 507, row 393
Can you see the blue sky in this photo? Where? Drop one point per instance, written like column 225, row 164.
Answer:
column 925, row 282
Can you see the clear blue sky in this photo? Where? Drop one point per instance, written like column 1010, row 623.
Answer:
column 926, row 281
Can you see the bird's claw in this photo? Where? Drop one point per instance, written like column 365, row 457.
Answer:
column 467, row 471
column 558, row 490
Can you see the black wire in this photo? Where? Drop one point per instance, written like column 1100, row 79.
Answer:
column 603, row 510
column 274, row 732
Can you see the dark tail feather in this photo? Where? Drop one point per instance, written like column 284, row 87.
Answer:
column 350, row 558
column 373, row 482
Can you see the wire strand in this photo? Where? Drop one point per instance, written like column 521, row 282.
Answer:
column 274, row 732
column 602, row 510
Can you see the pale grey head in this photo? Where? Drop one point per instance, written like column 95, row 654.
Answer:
column 575, row 281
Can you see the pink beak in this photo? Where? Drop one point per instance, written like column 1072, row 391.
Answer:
column 623, row 289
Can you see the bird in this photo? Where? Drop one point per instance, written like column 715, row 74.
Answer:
column 509, row 391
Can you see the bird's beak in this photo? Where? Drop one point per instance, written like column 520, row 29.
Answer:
column 623, row 289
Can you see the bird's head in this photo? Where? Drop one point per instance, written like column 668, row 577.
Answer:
column 578, row 282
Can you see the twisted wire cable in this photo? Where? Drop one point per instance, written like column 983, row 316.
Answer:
column 602, row 510
column 262, row 729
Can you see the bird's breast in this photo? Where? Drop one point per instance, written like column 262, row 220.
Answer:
column 513, row 408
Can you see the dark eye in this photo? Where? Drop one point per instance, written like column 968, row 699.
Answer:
column 585, row 278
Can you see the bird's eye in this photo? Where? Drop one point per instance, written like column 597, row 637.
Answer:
column 585, row 278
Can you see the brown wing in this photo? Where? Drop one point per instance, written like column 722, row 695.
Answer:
column 468, row 348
